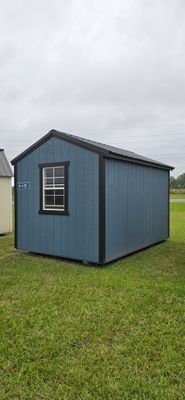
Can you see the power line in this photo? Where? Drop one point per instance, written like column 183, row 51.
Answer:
column 134, row 145
column 146, row 137
column 124, row 127
column 107, row 137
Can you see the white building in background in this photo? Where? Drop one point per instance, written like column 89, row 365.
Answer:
column 6, row 175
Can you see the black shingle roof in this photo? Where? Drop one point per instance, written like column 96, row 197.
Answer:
column 107, row 150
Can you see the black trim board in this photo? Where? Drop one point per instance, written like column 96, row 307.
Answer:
column 137, row 161
column 66, row 172
column 59, row 135
column 124, row 256
column 168, row 203
column 54, row 164
column 101, row 209
column 89, row 146
column 15, row 206
column 54, row 212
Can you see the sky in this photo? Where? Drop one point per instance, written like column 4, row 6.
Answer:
column 108, row 70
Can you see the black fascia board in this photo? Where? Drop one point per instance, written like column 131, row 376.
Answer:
column 89, row 146
column 31, row 148
column 138, row 161
column 60, row 135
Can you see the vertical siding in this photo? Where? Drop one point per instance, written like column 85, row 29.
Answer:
column 5, row 205
column 74, row 236
column 136, row 207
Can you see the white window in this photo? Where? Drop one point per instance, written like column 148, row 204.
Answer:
column 53, row 185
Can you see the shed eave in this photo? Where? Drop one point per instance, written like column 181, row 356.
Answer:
column 89, row 146
column 60, row 135
column 140, row 162
column 31, row 148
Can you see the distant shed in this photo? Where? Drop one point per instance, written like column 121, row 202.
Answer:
column 79, row 199
column 5, row 194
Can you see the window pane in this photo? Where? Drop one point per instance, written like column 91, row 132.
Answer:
column 59, row 172
column 48, row 172
column 49, row 192
column 59, row 192
column 48, row 181
column 59, row 181
column 49, row 200
column 59, row 200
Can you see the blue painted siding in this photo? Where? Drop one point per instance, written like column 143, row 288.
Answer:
column 136, row 207
column 77, row 235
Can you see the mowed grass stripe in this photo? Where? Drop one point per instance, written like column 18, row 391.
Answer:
column 73, row 332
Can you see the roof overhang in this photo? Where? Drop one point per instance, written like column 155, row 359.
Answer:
column 89, row 146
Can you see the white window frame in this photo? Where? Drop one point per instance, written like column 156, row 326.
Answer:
column 53, row 187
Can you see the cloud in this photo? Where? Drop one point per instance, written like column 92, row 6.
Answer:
column 110, row 71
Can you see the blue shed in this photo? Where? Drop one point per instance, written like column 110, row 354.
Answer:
column 79, row 199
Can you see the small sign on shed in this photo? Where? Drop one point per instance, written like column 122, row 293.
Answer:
column 23, row 185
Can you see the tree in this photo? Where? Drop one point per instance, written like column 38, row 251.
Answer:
column 173, row 182
column 177, row 183
column 181, row 181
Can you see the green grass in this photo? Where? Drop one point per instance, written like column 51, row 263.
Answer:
column 73, row 332
column 177, row 193
column 177, row 196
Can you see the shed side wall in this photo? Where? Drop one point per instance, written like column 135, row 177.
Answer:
column 74, row 236
column 5, row 205
column 136, row 207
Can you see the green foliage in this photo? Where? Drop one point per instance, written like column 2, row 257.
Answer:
column 177, row 193
column 177, row 183
column 173, row 184
column 71, row 332
column 181, row 181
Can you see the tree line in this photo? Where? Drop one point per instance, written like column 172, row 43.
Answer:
column 177, row 183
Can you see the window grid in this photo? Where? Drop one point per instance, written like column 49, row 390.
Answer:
column 54, row 188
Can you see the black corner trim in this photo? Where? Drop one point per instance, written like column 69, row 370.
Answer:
column 66, row 172
column 101, row 209
column 15, row 206
column 168, row 203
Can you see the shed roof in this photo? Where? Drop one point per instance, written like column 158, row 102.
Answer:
column 5, row 169
column 104, row 149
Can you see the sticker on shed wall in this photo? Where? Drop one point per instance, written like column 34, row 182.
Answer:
column 23, row 185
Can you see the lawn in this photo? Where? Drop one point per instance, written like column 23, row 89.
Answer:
column 177, row 193
column 72, row 332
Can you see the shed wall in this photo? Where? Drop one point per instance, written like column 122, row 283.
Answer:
column 75, row 236
column 5, row 205
column 136, row 207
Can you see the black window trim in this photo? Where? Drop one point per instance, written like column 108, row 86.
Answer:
column 55, row 164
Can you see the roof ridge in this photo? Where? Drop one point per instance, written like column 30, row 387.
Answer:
column 110, row 148
column 100, row 148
